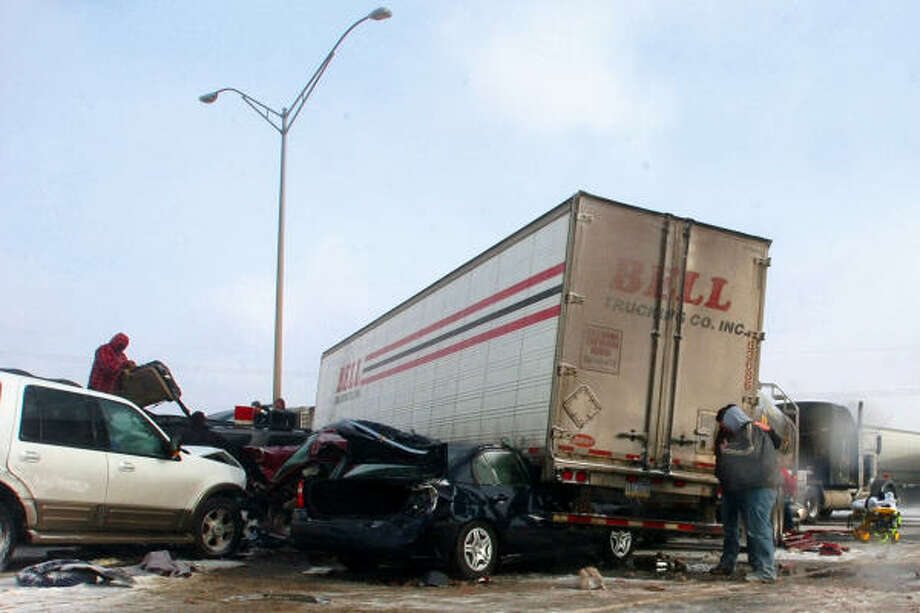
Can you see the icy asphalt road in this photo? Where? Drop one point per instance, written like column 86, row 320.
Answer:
column 870, row 576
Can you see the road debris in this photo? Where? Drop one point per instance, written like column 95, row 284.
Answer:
column 807, row 541
column 589, row 578
column 161, row 563
column 67, row 573
column 306, row 598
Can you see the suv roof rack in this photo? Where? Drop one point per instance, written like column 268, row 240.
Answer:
column 25, row 373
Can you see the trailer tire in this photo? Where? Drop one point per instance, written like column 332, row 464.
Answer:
column 618, row 546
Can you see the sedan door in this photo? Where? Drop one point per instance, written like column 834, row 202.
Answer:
column 504, row 480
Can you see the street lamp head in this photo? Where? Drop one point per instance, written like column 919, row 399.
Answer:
column 209, row 98
column 380, row 14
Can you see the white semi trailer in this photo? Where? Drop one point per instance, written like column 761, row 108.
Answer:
column 600, row 340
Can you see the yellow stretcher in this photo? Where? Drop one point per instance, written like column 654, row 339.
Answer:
column 883, row 523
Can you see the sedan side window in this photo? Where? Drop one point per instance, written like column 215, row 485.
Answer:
column 507, row 468
column 482, row 471
column 130, row 433
column 499, row 468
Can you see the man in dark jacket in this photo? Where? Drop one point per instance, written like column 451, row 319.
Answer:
column 748, row 469
column 109, row 363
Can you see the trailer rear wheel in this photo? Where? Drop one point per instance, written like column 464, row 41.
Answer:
column 619, row 545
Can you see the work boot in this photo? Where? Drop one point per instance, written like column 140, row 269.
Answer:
column 721, row 571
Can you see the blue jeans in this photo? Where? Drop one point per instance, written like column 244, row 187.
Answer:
column 731, row 545
column 756, row 508
column 758, row 520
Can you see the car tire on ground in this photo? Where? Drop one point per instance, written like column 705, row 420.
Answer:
column 618, row 545
column 476, row 550
column 9, row 532
column 218, row 527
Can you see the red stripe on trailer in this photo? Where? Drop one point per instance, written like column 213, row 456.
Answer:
column 675, row 461
column 648, row 524
column 566, row 448
column 601, row 452
column 533, row 450
column 579, row 519
column 632, row 457
column 704, row 465
column 513, row 326
column 549, row 273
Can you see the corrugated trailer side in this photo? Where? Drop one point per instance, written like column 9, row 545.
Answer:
column 469, row 358
column 661, row 326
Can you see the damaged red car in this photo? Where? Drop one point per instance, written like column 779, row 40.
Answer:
column 372, row 494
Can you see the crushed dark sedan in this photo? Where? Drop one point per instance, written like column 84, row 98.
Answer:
column 371, row 493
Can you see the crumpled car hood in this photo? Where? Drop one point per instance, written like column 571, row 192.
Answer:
column 213, row 453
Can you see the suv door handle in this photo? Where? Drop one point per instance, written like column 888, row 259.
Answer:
column 30, row 456
column 499, row 498
column 126, row 467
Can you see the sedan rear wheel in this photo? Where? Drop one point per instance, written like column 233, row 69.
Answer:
column 476, row 550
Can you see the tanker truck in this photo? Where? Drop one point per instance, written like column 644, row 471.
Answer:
column 841, row 460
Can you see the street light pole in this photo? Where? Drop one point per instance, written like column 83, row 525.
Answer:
column 282, row 122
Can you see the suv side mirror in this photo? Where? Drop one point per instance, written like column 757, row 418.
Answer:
column 175, row 450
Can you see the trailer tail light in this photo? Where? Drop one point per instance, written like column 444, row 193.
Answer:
column 680, row 484
column 300, row 502
column 632, row 479
column 573, row 476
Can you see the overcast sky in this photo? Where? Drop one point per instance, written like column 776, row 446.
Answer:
column 127, row 205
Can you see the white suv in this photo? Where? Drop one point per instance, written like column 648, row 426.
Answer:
column 82, row 467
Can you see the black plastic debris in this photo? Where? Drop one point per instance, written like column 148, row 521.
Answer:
column 67, row 573
column 659, row 563
column 161, row 563
column 434, row 578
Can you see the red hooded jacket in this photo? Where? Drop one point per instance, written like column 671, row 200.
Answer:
column 110, row 361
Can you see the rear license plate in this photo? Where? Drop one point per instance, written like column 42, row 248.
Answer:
column 638, row 489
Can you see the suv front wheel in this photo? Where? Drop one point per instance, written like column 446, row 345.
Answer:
column 218, row 527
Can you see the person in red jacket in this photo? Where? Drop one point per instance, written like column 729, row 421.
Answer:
column 110, row 362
